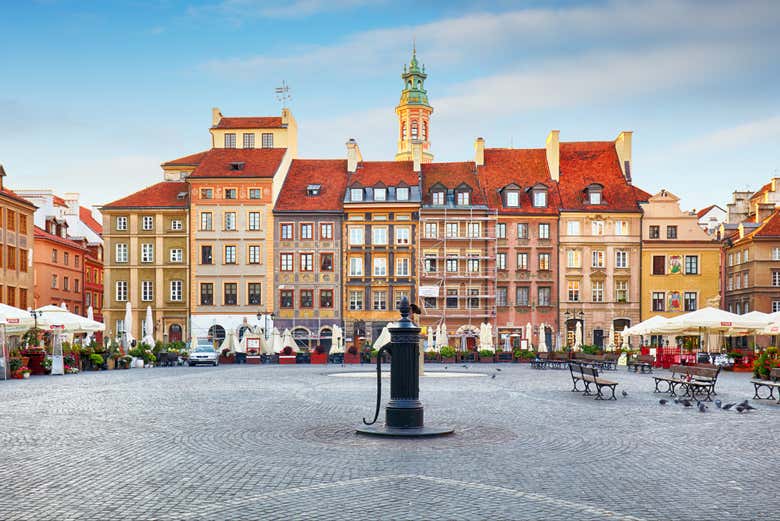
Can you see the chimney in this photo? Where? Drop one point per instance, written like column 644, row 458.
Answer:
column 479, row 151
column 623, row 149
column 216, row 115
column 285, row 116
column 2, row 175
column 553, row 146
column 353, row 155
column 416, row 155
column 72, row 200
column 764, row 210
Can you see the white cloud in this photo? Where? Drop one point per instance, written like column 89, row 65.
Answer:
column 238, row 10
column 757, row 131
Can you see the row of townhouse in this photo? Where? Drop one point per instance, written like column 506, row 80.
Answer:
column 247, row 234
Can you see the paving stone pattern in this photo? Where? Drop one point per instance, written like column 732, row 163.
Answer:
column 277, row 442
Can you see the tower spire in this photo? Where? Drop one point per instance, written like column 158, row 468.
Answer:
column 413, row 112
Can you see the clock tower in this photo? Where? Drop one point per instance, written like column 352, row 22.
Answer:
column 414, row 113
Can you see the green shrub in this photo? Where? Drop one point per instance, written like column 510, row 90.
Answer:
column 765, row 362
column 486, row 353
column 447, row 352
column 96, row 359
column 591, row 350
column 14, row 364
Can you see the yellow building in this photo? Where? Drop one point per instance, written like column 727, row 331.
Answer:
column 680, row 261
column 16, row 246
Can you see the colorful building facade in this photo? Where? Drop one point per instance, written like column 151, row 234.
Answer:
column 16, row 248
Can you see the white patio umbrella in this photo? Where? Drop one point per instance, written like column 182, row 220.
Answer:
column 230, row 343
column 128, row 325
column 383, row 339
column 578, row 336
column 148, row 338
column 336, row 340
column 437, row 340
column 56, row 317
column 774, row 326
column 611, row 342
column 542, row 348
column 288, row 341
column 712, row 321
column 64, row 306
column 445, row 338
column 529, row 332
column 15, row 320
column 645, row 327
column 431, row 345
column 276, row 341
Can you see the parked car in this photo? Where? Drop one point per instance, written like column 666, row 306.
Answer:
column 204, row 355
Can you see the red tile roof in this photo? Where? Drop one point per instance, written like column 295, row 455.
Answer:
column 761, row 191
column 16, row 197
column 330, row 174
column 701, row 213
column 391, row 173
column 40, row 233
column 258, row 162
column 190, row 160
column 250, row 122
column 160, row 195
column 585, row 163
column 452, row 175
column 85, row 215
column 58, row 201
column 641, row 195
column 523, row 167
column 769, row 228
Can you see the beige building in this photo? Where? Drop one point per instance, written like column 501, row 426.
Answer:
column 146, row 251
column 16, row 245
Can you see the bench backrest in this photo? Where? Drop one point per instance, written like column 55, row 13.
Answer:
column 543, row 356
column 645, row 359
column 589, row 371
column 611, row 356
column 774, row 374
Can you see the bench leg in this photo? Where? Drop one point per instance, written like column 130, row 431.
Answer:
column 587, row 388
column 574, row 383
column 757, row 396
column 599, row 396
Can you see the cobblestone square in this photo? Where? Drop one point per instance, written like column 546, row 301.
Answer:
column 278, row 442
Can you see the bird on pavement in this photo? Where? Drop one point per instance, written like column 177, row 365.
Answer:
column 493, row 376
column 686, row 403
column 676, row 400
column 718, row 404
column 740, row 408
column 663, row 402
column 464, row 366
column 728, row 406
column 445, row 367
column 624, row 393
column 702, row 407
column 749, row 407
column 498, row 368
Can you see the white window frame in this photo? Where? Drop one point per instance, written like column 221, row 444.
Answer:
column 176, row 291
column 229, row 219
column 121, row 253
column 255, row 221
column 147, row 291
column 147, row 223
column 176, row 255
column 402, row 193
column 120, row 291
column 597, row 228
column 355, row 194
column 540, row 198
column 402, row 267
column 574, row 259
column 147, row 253
column 253, row 254
column 380, row 194
column 621, row 259
column 355, row 266
column 176, row 225
column 121, row 223
column 379, row 266
column 431, row 230
column 356, row 235
column 379, row 235
column 437, row 198
column 573, row 228
column 402, row 235
column 512, row 199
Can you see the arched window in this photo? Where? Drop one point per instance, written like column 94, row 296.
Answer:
column 425, row 131
column 414, row 129
column 301, row 336
column 216, row 333
column 403, row 130
column 174, row 333
column 326, row 335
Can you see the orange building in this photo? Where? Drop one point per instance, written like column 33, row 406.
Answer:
column 58, row 268
column 16, row 242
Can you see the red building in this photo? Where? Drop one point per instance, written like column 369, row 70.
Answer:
column 93, row 268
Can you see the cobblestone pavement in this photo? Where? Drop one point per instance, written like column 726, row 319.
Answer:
column 277, row 442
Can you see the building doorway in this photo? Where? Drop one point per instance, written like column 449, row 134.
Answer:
column 598, row 338
column 174, row 333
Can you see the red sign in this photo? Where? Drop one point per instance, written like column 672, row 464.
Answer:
column 57, row 326
column 727, row 324
column 12, row 320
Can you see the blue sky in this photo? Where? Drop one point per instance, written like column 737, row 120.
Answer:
column 95, row 95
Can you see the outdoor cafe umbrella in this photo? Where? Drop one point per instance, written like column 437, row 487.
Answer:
column 335, row 341
column 578, row 336
column 445, row 340
column 383, row 339
column 128, row 325
column 148, row 338
column 542, row 347
column 711, row 320
column 431, row 346
column 12, row 320
column 276, row 341
column 288, row 341
column 611, row 343
column 529, row 331
column 55, row 317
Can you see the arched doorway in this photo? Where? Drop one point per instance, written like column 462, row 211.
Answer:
column 174, row 333
column 301, row 335
column 468, row 337
column 216, row 334
column 243, row 330
column 326, row 335
column 620, row 324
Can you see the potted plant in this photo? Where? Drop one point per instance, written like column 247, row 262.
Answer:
column 287, row 356
column 352, row 356
column 47, row 365
column 765, row 362
column 35, row 356
column 468, row 356
column 448, row 354
column 14, row 364
column 22, row 373
column 226, row 357
column 319, row 355
column 96, row 360
column 432, row 356
column 487, row 356
column 302, row 356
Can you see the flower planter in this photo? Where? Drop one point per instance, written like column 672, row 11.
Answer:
column 36, row 363
column 505, row 357
column 432, row 358
column 448, row 360
column 226, row 359
column 318, row 358
column 349, row 358
column 469, row 356
column 302, row 358
column 487, row 359
column 253, row 360
column 336, row 358
column 286, row 359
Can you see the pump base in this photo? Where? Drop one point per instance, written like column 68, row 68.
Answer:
column 416, row 432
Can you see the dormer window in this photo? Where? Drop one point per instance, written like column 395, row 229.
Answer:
column 540, row 198
column 593, row 194
column 462, row 198
column 313, row 190
column 402, row 193
column 380, row 194
column 438, row 198
column 355, row 194
column 237, row 165
column 512, row 199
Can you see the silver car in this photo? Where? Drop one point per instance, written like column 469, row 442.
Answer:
column 204, row 355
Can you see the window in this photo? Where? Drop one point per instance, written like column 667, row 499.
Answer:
column 286, row 298
column 522, row 294
column 671, row 232
column 249, row 140
column 121, row 289
column 501, row 296
column 597, row 259
column 572, row 227
column 267, row 140
column 380, row 194
column 473, row 300
column 326, row 298
column 431, row 230
column 206, row 294
column 307, row 298
column 307, row 262
column 326, row 231
column 430, row 263
column 597, row 228
column 544, row 296
column 775, row 306
column 177, row 294
column 473, row 265
column 402, row 267
column 621, row 291
column 307, row 231
column 255, row 193
column 205, row 255
column 745, row 307
column 254, row 221
column 355, row 300
column 655, row 232
column 451, row 301
column 501, row 261
column 286, row 231
column 451, row 264
column 355, row 235
column 522, row 261
column 501, row 230
column 540, row 198
column 146, row 291
column 745, row 279
column 231, row 193
column 399, row 294
column 691, row 265
column 544, row 261
column 522, row 231
column 120, row 254
column 147, row 252
column 573, row 259
column 230, row 221
column 452, row 230
column 205, row 221
column 121, row 223
column 659, row 265
column 402, row 235
column 326, row 262
column 65, row 258
column 23, row 260
column 573, row 288
column 254, row 254
column 206, row 193
column 438, row 198
column 730, row 283
column 621, row 227
column 356, row 266
column 597, row 293
column 253, row 293
column 512, row 199
column 776, row 278
column 594, row 197
column 379, row 235
column 544, row 231
column 380, row 266
column 230, row 140
column 176, row 255
column 659, row 301
column 356, row 194
column 76, row 260
column 621, row 259
column 147, row 222
column 286, row 261
column 689, row 300
column 462, row 198
column 66, row 284
column 380, row 300
column 402, row 193
column 176, row 225
column 87, row 299
column 54, row 281
column 230, row 294
column 775, row 254
column 474, row 230
column 230, row 255
column 745, row 256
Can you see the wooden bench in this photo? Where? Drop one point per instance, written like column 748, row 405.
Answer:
column 540, row 362
column 771, row 384
column 611, row 360
column 557, row 360
column 693, row 379
column 641, row 362
column 590, row 375
column 575, row 368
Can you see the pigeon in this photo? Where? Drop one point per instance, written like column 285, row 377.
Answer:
column 718, row 404
column 415, row 309
column 464, row 366
column 686, row 403
column 676, row 400
column 728, row 406
column 744, row 403
column 749, row 407
column 663, row 402
column 498, row 368
column 702, row 407
column 493, row 376
column 740, row 408
column 624, row 394
column 445, row 367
